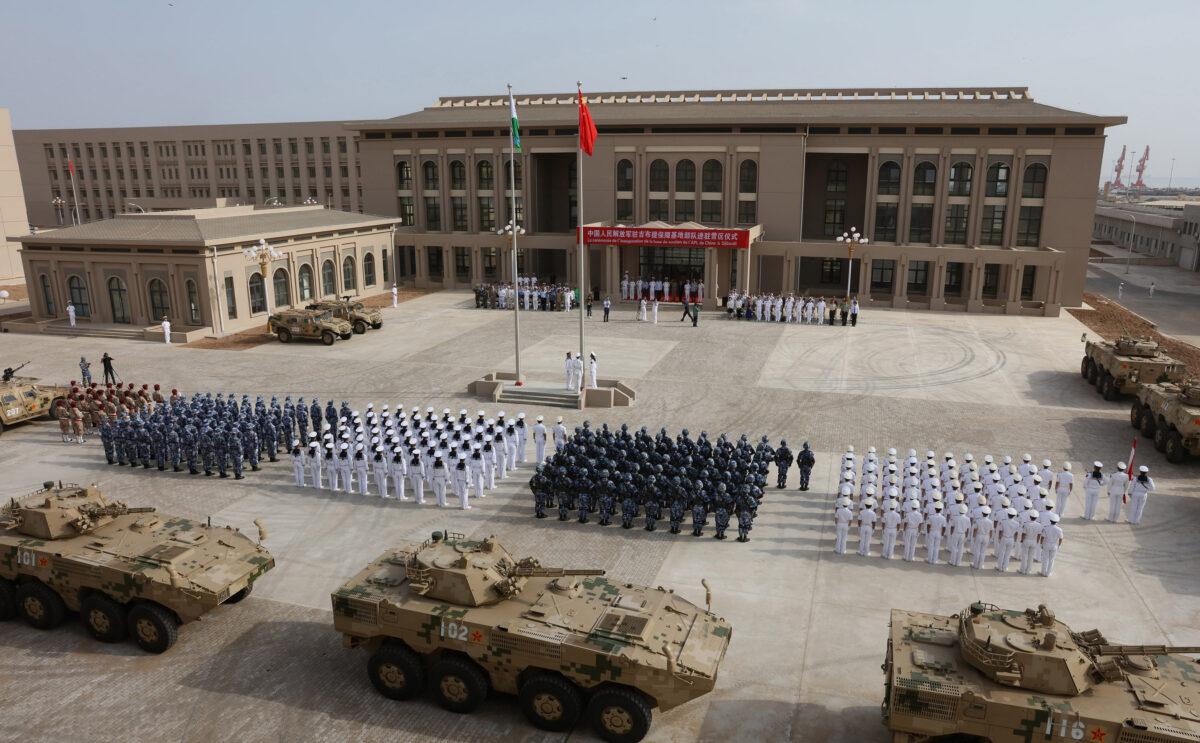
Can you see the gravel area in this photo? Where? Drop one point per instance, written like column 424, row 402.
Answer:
column 1110, row 320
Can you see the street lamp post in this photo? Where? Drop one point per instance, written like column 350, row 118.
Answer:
column 264, row 253
column 851, row 239
column 130, row 206
column 510, row 232
column 59, row 205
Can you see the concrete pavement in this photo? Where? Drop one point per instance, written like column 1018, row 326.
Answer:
column 1175, row 306
column 809, row 626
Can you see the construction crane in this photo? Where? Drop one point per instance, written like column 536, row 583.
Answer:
column 1117, row 182
column 1141, row 169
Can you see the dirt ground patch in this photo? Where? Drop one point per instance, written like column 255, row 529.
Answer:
column 385, row 299
column 16, row 292
column 1110, row 320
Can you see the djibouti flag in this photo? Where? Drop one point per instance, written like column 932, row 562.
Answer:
column 516, row 127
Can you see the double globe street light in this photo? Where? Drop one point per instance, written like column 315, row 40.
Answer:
column 264, row 253
column 851, row 239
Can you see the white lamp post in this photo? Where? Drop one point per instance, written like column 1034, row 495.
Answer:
column 59, row 206
column 510, row 232
column 851, row 239
column 264, row 254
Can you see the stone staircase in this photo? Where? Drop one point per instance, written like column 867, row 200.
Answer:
column 554, row 397
column 95, row 331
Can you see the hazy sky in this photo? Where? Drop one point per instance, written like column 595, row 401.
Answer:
column 77, row 63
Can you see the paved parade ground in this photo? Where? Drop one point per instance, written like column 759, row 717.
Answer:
column 810, row 627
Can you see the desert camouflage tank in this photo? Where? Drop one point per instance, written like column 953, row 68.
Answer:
column 1118, row 368
column 1170, row 413
column 127, row 571
column 356, row 313
column 1002, row 676
column 290, row 324
column 466, row 618
column 22, row 398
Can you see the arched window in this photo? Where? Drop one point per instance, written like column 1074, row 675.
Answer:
column 79, row 296
column 429, row 176
column 281, row 287
column 349, row 279
column 748, row 177
column 193, row 300
column 306, row 282
column 710, row 176
column 48, row 295
column 509, row 170
column 118, row 300
column 1034, row 186
column 660, row 176
column 328, row 279
column 404, row 175
column 258, row 293
column 160, row 305
column 889, row 178
column 997, row 180
column 960, row 179
column 624, row 175
column 458, row 175
column 486, row 182
column 369, row 269
column 685, row 176
column 837, row 177
column 924, row 179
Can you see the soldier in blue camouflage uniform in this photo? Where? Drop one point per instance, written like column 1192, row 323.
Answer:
column 564, row 491
column 301, row 414
column 699, row 509
column 190, row 444
column 806, row 459
column 678, row 504
column 604, row 498
column 653, row 504
column 539, row 484
column 235, row 451
column 583, row 491
column 746, row 505
column 250, row 446
column 722, row 511
column 220, row 450
column 145, row 444
column 173, row 453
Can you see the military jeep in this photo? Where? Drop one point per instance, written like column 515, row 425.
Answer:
column 22, row 398
column 1117, row 368
column 356, row 313
column 308, row 323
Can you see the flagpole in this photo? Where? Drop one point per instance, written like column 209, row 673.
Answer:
column 74, row 193
column 512, row 186
column 579, row 221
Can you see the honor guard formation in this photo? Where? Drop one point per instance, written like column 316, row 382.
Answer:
column 528, row 293
column 806, row 310
column 627, row 475
column 661, row 289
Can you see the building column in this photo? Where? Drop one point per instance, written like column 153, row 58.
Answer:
column 904, row 207
column 868, row 228
column 449, row 278
column 1013, row 290
column 1013, row 209
column 937, row 285
column 975, row 286
column 711, row 284
column 975, row 207
column 864, row 276
column 900, row 282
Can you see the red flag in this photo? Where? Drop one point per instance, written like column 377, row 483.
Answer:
column 71, row 166
column 1130, row 470
column 587, row 127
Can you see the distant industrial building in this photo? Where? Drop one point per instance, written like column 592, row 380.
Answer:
column 1169, row 231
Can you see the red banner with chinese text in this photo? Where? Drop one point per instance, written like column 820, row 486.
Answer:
column 666, row 237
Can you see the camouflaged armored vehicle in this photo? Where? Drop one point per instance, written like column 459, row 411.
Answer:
column 22, row 398
column 1002, row 676
column 289, row 324
column 1170, row 414
column 1118, row 368
column 356, row 313
column 466, row 618
column 127, row 571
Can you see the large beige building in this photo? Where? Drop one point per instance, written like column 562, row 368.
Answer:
column 971, row 198
column 179, row 167
column 13, row 219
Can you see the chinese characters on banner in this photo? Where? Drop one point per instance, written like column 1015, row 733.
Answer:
column 666, row 237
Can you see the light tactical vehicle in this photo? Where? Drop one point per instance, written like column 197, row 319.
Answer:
column 309, row 323
column 22, row 398
column 127, row 571
column 466, row 618
column 356, row 313
column 1118, row 368
column 1170, row 413
column 989, row 674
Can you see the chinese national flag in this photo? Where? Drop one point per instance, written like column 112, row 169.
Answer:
column 587, row 127
column 71, row 166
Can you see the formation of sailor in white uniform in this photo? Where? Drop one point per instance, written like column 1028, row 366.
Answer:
column 633, row 289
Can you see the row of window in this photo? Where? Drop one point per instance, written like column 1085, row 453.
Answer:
column 920, row 226
column 118, row 298
column 917, row 280
column 194, row 149
column 1033, row 185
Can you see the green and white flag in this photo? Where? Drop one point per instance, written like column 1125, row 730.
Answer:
column 516, row 127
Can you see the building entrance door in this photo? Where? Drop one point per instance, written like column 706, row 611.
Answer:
column 673, row 265
column 118, row 297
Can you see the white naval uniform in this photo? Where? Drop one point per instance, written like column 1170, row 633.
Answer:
column 475, row 465
column 1008, row 529
column 379, row 471
column 1092, row 487
column 891, row 522
column 361, row 468
column 842, row 517
column 1031, row 530
column 912, row 529
column 936, row 524
column 298, row 467
column 438, row 479
column 1051, row 539
column 1116, row 492
column 960, row 526
column 1062, row 492
column 397, row 470
column 1139, row 493
column 866, row 530
column 539, row 443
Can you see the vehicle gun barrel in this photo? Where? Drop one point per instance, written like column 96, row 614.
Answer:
column 10, row 371
column 540, row 572
column 1145, row 649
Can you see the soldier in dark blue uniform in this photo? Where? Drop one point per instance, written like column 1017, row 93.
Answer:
column 564, row 492
column 605, row 500
column 106, row 438
column 678, row 504
column 583, row 490
column 235, row 452
column 190, row 445
column 173, row 448
column 538, row 484
column 653, row 504
column 745, row 513
column 699, row 509
column 806, row 459
column 145, row 442
column 783, row 462
column 220, row 450
column 722, row 511
column 629, row 504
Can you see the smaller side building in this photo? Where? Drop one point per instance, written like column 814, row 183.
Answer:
column 201, row 268
column 13, row 218
column 1152, row 230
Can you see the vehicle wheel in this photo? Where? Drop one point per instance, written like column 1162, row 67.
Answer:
column 1135, row 415
column 1111, row 389
column 327, row 338
column 154, row 629
column 458, row 684
column 1160, row 437
column 8, row 601
column 49, row 414
column 285, row 335
column 345, row 336
column 1, row 426
column 103, row 617
column 619, row 715
column 377, row 325
column 1093, row 373
column 240, row 595
column 1149, row 423
column 1174, row 450
column 1083, row 367
column 40, row 606
column 551, row 702
column 396, row 672
column 360, row 326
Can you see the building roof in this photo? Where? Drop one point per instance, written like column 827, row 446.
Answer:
column 208, row 227
column 973, row 106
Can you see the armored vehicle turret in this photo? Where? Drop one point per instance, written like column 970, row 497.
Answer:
column 127, row 571
column 356, row 313
column 23, row 398
column 1170, row 415
column 466, row 618
column 1117, row 368
column 309, row 323
column 988, row 674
